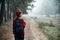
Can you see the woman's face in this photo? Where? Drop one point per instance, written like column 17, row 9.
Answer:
column 18, row 14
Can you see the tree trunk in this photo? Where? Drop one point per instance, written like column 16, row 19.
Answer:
column 2, row 11
column 14, row 14
column 5, row 17
column 10, row 14
column 8, row 10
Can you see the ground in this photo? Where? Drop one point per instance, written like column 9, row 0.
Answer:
column 32, row 31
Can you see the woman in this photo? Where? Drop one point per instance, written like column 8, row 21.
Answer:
column 18, row 35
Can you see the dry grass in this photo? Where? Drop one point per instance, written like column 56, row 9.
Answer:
column 50, row 27
column 52, row 32
column 5, row 32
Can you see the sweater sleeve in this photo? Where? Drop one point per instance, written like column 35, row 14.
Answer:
column 24, row 23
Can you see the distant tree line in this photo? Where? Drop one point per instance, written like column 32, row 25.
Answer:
column 58, row 3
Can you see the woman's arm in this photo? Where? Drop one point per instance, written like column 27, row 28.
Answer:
column 24, row 23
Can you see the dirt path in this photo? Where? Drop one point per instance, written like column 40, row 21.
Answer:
column 36, row 32
column 32, row 32
column 28, row 34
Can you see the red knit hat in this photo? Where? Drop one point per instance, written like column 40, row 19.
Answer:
column 18, row 13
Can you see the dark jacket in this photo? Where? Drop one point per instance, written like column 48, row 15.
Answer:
column 24, row 24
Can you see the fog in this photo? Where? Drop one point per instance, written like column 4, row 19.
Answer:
column 43, row 7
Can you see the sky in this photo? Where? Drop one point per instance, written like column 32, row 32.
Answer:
column 44, row 7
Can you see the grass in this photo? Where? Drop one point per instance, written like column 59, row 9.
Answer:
column 5, row 32
column 51, row 31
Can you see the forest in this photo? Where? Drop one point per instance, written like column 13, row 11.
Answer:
column 8, row 8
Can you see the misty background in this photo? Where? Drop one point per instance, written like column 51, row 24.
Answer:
column 45, row 7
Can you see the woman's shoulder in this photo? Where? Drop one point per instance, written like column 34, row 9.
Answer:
column 21, row 18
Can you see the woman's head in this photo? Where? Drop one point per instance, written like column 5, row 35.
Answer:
column 18, row 13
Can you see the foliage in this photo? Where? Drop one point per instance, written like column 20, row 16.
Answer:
column 52, row 32
column 10, row 6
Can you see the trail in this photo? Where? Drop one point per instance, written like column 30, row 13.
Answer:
column 32, row 32
column 36, row 32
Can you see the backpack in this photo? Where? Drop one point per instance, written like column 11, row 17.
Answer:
column 18, row 26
